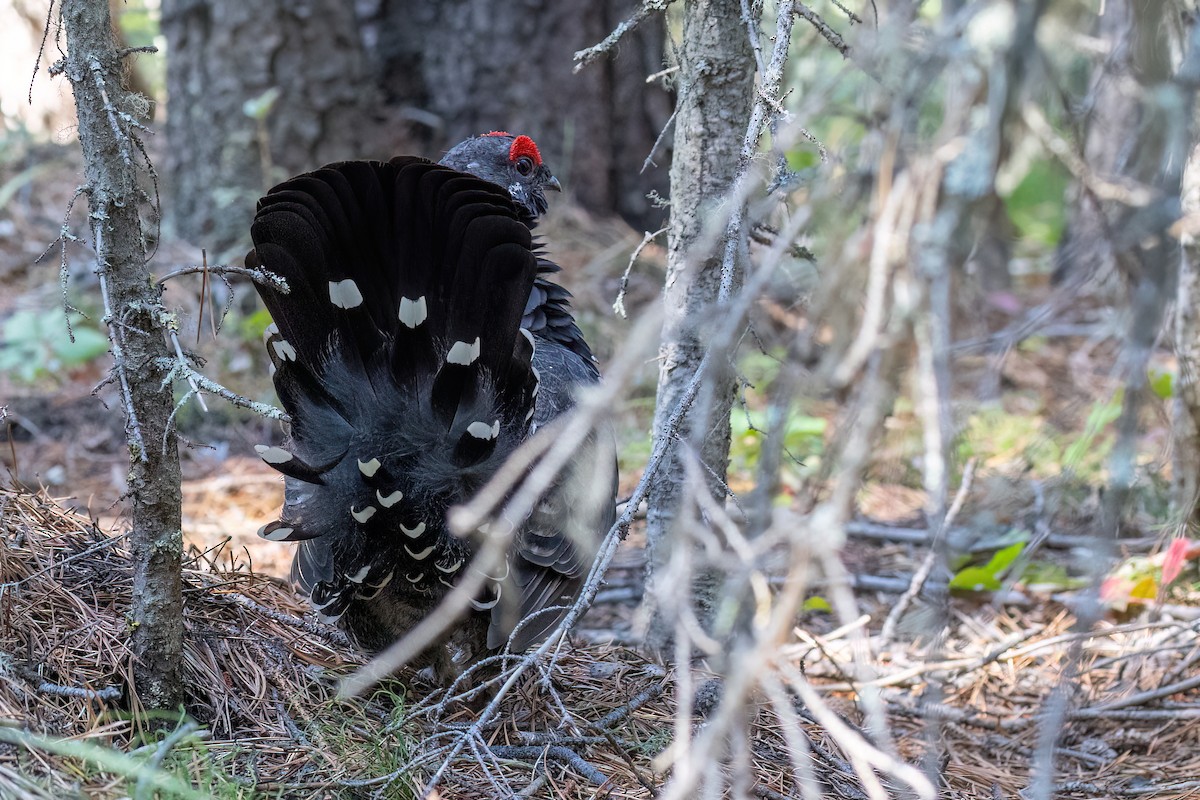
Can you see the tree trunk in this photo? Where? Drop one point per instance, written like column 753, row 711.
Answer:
column 134, row 315
column 1185, row 467
column 224, row 54
column 480, row 65
column 716, row 93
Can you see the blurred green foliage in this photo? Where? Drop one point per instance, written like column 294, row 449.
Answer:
column 997, row 437
column 803, row 438
column 138, row 22
column 250, row 328
column 752, row 420
column 36, row 344
column 1092, row 443
column 1037, row 205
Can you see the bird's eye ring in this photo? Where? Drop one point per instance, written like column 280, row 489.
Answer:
column 525, row 165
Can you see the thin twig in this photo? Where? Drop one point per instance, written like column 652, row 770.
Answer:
column 260, row 276
column 115, row 337
column 589, row 54
column 191, row 378
column 558, row 753
column 619, row 304
column 327, row 632
column 830, row 35
column 176, row 370
column 922, row 574
column 79, row 693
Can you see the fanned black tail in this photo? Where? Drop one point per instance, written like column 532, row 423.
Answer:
column 400, row 357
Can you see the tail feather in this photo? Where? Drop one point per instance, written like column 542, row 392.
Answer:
column 398, row 353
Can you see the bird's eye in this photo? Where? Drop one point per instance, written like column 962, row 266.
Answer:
column 525, row 165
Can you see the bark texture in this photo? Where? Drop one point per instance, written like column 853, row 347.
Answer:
column 715, row 96
column 1185, row 473
column 479, row 65
column 224, row 53
column 135, row 320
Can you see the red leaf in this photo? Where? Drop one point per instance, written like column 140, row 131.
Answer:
column 1114, row 590
column 1175, row 559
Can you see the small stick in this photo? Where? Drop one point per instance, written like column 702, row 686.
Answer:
column 619, row 304
column 922, row 575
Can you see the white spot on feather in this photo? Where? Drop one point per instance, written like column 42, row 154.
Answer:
column 319, row 606
column 414, row 578
column 501, row 576
column 345, row 293
column 359, row 576
column 273, row 455
column 284, row 349
column 386, row 580
column 414, row 532
column 449, row 568
column 276, row 535
column 387, row 501
column 490, row 604
column 364, row 515
column 369, row 468
column 413, row 312
column 481, row 430
column 525, row 332
column 463, row 353
column 420, row 556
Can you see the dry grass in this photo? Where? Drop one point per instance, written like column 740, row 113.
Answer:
column 254, row 666
column 265, row 721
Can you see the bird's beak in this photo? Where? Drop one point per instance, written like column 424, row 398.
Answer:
column 553, row 184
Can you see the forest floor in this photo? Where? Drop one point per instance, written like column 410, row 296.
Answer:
column 262, row 672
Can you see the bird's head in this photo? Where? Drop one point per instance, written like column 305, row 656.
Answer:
column 510, row 161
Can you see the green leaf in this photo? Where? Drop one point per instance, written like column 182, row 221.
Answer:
column 988, row 577
column 974, row 579
column 816, row 603
column 1048, row 576
column 1162, row 382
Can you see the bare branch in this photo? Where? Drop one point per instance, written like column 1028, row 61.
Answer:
column 618, row 305
column 181, row 370
column 831, row 36
column 259, row 276
column 588, row 55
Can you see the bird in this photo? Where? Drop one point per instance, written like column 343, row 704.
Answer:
column 422, row 338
